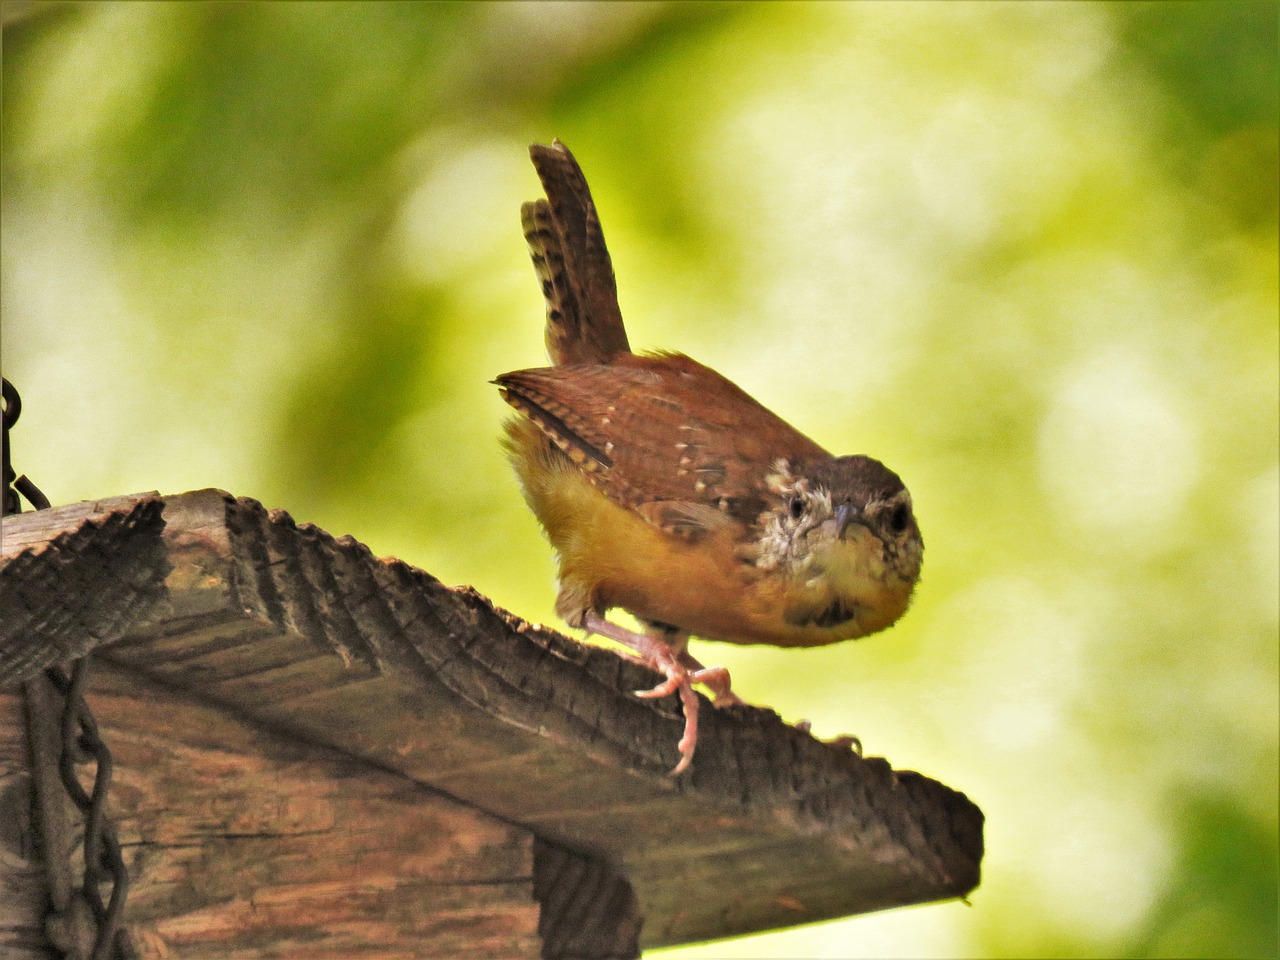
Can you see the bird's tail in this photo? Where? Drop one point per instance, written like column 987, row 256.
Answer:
column 584, row 324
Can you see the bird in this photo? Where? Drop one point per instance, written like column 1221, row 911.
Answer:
column 668, row 492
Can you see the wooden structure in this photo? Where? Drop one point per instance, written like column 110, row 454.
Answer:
column 324, row 754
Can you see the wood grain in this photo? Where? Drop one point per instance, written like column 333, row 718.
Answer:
column 311, row 636
column 242, row 844
column 86, row 576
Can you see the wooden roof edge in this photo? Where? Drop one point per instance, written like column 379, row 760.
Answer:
column 529, row 690
column 104, row 569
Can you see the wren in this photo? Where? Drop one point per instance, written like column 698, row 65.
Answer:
column 670, row 493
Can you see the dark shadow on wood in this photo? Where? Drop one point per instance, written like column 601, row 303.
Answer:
column 588, row 910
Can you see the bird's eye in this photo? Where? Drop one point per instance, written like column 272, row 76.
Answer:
column 796, row 506
column 900, row 517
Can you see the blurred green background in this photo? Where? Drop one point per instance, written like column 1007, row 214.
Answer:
column 1024, row 253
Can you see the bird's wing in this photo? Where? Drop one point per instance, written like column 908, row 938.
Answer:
column 662, row 435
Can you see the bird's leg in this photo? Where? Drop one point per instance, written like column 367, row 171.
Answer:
column 668, row 656
column 654, row 652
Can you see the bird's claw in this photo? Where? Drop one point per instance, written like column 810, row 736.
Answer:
column 716, row 679
column 689, row 740
column 682, row 671
column 664, row 689
column 679, row 680
column 846, row 741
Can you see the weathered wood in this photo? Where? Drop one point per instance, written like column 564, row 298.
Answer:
column 241, row 843
column 86, row 578
column 24, row 888
column 56, row 826
column 588, row 910
column 312, row 636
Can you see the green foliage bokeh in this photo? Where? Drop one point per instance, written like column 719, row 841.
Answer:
column 1024, row 253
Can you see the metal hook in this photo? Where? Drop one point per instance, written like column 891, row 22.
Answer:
column 14, row 484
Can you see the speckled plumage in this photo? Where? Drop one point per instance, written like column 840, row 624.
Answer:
column 670, row 492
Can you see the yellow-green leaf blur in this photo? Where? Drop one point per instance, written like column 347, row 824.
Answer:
column 1026, row 254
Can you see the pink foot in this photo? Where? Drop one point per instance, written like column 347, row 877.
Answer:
column 682, row 671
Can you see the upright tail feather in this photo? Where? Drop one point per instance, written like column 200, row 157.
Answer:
column 584, row 323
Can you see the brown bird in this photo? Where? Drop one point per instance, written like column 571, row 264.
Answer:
column 668, row 492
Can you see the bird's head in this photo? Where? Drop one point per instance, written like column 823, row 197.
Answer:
column 843, row 533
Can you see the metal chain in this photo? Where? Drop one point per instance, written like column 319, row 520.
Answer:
column 103, row 861
column 80, row 744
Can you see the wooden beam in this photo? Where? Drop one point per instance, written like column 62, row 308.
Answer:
column 243, row 843
column 240, row 843
column 296, row 631
column 83, row 579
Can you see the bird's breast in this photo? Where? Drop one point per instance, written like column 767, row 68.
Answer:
column 610, row 556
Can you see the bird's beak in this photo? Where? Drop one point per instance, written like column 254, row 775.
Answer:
column 847, row 517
